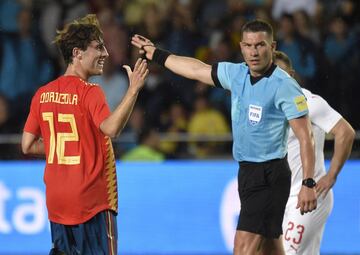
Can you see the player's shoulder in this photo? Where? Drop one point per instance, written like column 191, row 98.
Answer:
column 89, row 84
column 91, row 89
column 317, row 105
column 307, row 93
column 311, row 97
column 63, row 81
column 77, row 81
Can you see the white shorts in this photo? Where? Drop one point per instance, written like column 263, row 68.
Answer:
column 302, row 234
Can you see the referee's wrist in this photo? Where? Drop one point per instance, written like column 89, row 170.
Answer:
column 160, row 56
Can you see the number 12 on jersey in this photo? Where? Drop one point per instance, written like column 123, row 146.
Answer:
column 58, row 143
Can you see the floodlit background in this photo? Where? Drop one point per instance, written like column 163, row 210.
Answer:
column 184, row 203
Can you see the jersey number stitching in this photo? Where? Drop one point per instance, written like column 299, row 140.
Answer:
column 61, row 138
column 300, row 231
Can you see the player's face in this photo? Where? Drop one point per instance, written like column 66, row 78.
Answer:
column 257, row 49
column 93, row 58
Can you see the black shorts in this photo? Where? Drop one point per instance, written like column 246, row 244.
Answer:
column 264, row 190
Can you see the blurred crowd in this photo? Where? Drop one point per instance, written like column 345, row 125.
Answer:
column 321, row 37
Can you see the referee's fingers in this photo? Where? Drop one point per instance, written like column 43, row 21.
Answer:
column 141, row 38
column 136, row 44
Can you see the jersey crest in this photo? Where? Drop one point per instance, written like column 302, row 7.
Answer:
column 255, row 113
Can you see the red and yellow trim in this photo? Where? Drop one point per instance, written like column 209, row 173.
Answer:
column 111, row 176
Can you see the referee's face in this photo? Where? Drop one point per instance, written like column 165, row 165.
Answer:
column 257, row 49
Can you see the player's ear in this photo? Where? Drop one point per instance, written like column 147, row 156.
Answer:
column 77, row 53
column 273, row 46
column 292, row 73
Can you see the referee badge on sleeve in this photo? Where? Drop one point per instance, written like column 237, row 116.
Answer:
column 300, row 102
column 255, row 113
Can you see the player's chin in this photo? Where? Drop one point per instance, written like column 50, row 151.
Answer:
column 98, row 71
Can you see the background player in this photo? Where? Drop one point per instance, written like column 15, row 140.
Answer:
column 265, row 100
column 303, row 233
column 71, row 123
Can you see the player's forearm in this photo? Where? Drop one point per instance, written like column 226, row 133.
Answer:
column 307, row 155
column 33, row 145
column 343, row 141
column 190, row 68
column 302, row 129
column 38, row 148
column 113, row 125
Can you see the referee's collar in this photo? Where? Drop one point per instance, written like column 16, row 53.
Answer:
column 267, row 74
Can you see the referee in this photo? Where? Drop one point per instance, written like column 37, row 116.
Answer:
column 265, row 101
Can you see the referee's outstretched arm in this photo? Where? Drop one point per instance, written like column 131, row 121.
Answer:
column 187, row 67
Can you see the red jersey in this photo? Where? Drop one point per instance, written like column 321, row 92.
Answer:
column 80, row 174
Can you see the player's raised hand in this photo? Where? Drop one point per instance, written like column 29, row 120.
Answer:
column 138, row 75
column 144, row 45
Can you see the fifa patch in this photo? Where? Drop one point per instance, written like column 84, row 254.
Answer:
column 255, row 113
column 300, row 102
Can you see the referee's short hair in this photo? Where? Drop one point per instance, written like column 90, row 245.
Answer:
column 257, row 26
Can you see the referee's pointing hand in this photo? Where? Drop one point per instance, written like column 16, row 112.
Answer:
column 145, row 46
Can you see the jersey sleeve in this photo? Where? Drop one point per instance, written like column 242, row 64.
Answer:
column 223, row 74
column 98, row 108
column 321, row 113
column 32, row 124
column 290, row 99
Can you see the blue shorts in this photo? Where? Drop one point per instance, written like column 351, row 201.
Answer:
column 97, row 236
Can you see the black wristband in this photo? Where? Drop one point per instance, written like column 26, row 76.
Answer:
column 160, row 56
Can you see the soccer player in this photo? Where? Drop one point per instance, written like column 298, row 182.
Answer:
column 70, row 122
column 303, row 233
column 265, row 101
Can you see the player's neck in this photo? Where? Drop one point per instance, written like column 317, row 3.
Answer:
column 71, row 70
